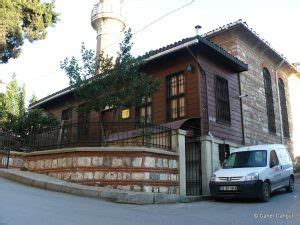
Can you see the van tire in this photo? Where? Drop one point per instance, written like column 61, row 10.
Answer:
column 291, row 186
column 265, row 192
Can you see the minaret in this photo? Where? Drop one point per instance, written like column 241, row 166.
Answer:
column 107, row 20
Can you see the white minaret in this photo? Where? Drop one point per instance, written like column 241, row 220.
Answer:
column 108, row 21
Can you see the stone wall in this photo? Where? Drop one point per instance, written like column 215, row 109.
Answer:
column 136, row 169
column 252, row 84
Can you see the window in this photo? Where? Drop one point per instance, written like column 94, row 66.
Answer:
column 83, row 122
column 246, row 159
column 66, row 114
column 274, row 158
column 66, row 117
column 222, row 100
column 144, row 113
column 176, row 96
column 284, row 113
column 224, row 152
column 269, row 101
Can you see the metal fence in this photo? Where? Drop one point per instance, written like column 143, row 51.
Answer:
column 8, row 142
column 98, row 135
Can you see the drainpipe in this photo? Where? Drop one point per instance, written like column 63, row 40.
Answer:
column 279, row 102
column 241, row 108
column 206, row 89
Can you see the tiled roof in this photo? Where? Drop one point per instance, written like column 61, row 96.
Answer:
column 243, row 24
column 170, row 46
column 200, row 40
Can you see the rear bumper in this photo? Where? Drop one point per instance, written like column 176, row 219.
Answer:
column 245, row 189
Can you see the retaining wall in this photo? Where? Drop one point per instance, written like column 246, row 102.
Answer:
column 125, row 168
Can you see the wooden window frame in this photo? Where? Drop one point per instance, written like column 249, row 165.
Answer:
column 269, row 101
column 225, row 101
column 145, row 104
column 176, row 97
column 83, row 126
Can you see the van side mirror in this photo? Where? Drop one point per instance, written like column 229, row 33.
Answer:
column 272, row 164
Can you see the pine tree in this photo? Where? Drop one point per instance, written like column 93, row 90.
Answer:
column 23, row 20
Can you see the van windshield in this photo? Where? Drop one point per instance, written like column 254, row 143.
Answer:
column 246, row 159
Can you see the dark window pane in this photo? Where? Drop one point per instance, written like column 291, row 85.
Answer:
column 222, row 100
column 269, row 101
column 284, row 113
column 176, row 96
column 144, row 113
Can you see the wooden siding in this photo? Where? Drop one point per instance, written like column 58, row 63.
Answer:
column 195, row 89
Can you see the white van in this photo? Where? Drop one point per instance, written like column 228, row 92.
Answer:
column 254, row 172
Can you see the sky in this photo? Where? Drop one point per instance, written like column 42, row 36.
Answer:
column 38, row 67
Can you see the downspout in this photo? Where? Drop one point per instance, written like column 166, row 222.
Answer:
column 207, row 111
column 206, row 88
column 279, row 101
column 241, row 108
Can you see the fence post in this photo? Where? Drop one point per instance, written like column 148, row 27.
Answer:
column 8, row 156
column 180, row 142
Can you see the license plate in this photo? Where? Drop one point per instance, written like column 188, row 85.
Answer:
column 228, row 188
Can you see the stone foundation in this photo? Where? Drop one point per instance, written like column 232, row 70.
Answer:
column 135, row 169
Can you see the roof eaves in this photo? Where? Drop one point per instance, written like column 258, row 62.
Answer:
column 50, row 97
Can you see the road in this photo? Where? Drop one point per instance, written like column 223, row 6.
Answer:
column 23, row 205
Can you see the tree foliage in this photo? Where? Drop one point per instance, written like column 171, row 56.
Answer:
column 118, row 84
column 30, row 121
column 23, row 20
column 14, row 118
column 13, row 101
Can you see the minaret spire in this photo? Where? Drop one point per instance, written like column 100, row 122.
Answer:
column 107, row 19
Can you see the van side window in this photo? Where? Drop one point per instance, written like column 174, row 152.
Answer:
column 274, row 158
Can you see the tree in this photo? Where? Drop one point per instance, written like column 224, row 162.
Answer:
column 33, row 99
column 118, row 84
column 23, row 20
column 2, row 109
column 14, row 98
column 30, row 121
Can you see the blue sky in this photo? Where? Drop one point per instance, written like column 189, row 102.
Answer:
column 276, row 21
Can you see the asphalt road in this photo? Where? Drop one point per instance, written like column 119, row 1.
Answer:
column 23, row 205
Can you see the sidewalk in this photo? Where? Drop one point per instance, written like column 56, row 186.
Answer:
column 117, row 196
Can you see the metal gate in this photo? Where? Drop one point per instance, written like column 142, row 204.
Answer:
column 193, row 167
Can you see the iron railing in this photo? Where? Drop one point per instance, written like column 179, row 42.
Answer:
column 8, row 142
column 103, row 134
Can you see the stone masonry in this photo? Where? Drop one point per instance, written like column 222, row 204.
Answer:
column 145, row 171
column 252, row 84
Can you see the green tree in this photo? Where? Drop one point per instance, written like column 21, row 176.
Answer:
column 30, row 121
column 33, row 99
column 23, row 20
column 2, row 109
column 117, row 84
column 14, row 98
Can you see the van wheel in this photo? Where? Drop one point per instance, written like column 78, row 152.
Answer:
column 291, row 186
column 265, row 192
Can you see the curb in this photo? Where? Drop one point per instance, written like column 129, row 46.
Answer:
column 117, row 196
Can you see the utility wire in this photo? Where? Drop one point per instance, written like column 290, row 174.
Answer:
column 155, row 21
